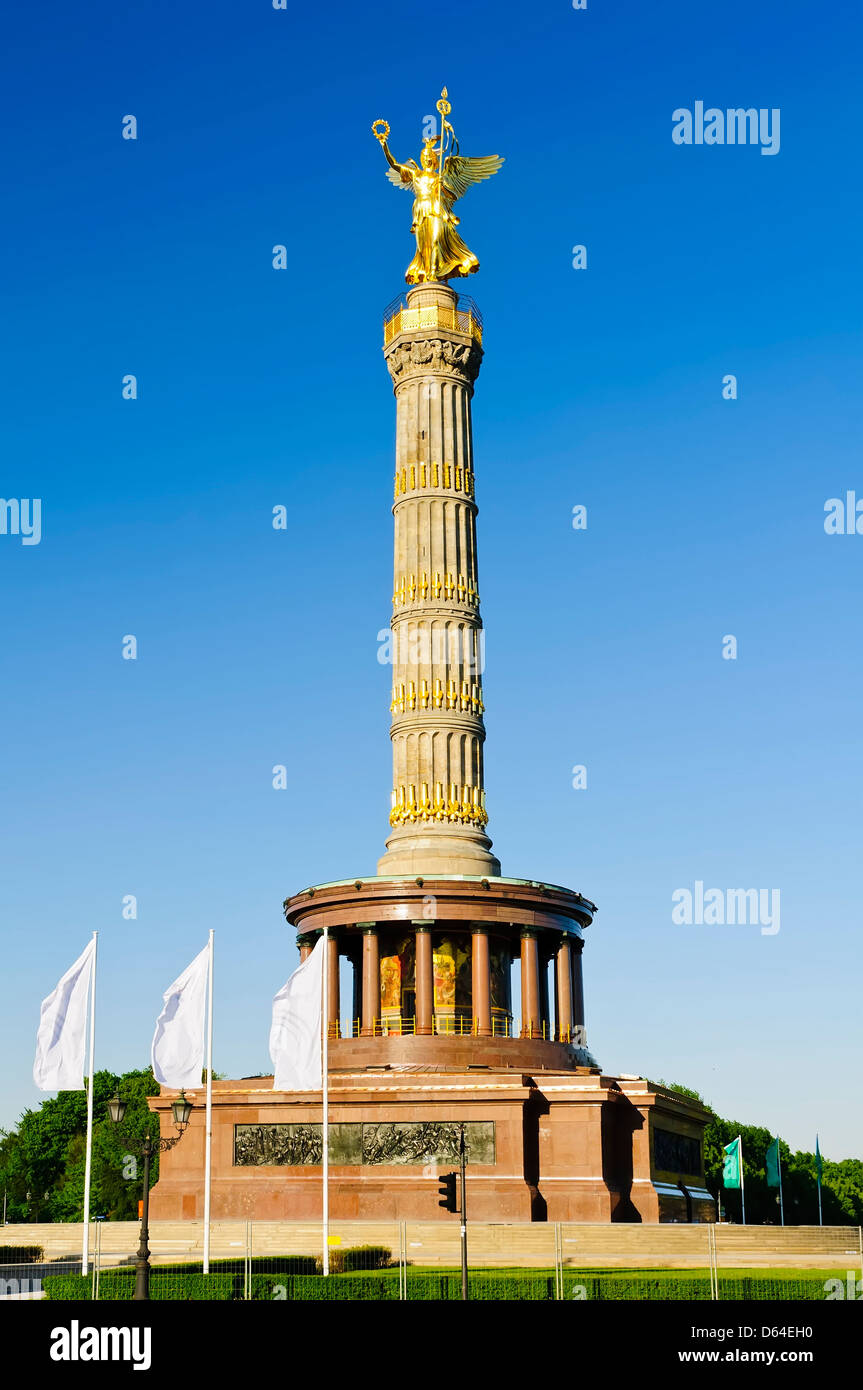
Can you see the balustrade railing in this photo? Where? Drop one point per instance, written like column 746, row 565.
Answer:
column 462, row 1025
column 464, row 318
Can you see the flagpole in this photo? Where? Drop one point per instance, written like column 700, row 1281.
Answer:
column 325, row 1080
column 779, row 1170
column 742, row 1189
column 818, row 1179
column 209, row 1119
column 88, row 1162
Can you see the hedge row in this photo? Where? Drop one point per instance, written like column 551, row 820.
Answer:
column 19, row 1254
column 171, row 1285
column 179, row 1284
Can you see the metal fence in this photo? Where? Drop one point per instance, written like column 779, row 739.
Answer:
column 407, row 1260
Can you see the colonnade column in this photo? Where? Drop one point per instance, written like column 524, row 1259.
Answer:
column 563, row 990
column 424, row 980
column 333, row 1003
column 577, row 986
column 543, row 957
column 354, row 954
column 371, row 979
column 531, row 1026
column 481, row 982
column 306, row 945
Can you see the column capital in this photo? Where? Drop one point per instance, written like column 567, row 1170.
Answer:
column 422, row 923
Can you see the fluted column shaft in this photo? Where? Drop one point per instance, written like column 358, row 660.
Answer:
column 438, row 813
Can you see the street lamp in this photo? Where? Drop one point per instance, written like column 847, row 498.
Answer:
column 116, row 1108
column 181, row 1109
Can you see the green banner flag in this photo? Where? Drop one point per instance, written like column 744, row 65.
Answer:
column 817, row 1159
column 731, row 1165
column 773, row 1179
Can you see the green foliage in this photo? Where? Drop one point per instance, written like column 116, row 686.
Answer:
column 681, row 1090
column 19, row 1254
column 360, row 1257
column 165, row 1286
column 288, row 1264
column 179, row 1284
column 841, row 1183
column 807, row 1287
column 46, row 1156
column 314, row 1289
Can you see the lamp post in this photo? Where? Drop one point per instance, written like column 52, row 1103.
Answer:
column 181, row 1109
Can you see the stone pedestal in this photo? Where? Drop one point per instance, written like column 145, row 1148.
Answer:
column 543, row 1145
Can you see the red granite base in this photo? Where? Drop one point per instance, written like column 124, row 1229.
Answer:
column 568, row 1146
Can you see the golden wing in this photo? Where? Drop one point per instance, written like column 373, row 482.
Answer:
column 402, row 177
column 460, row 171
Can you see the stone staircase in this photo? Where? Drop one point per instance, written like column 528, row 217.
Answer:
column 437, row 1243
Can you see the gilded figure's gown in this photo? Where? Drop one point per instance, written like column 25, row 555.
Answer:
column 440, row 251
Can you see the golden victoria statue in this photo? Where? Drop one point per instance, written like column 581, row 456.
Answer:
column 442, row 176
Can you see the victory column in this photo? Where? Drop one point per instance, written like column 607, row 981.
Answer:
column 431, row 939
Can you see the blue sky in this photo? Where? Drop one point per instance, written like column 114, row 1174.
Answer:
column 601, row 387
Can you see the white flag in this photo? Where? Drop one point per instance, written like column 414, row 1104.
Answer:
column 295, row 1036
column 178, row 1042
column 59, row 1064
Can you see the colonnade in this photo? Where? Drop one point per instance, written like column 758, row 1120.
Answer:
column 537, row 949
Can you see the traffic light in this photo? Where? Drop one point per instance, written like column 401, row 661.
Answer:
column 447, row 1189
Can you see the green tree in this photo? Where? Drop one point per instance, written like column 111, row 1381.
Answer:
column 46, row 1156
column 841, row 1183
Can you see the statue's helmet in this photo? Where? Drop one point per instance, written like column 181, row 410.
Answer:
column 428, row 156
